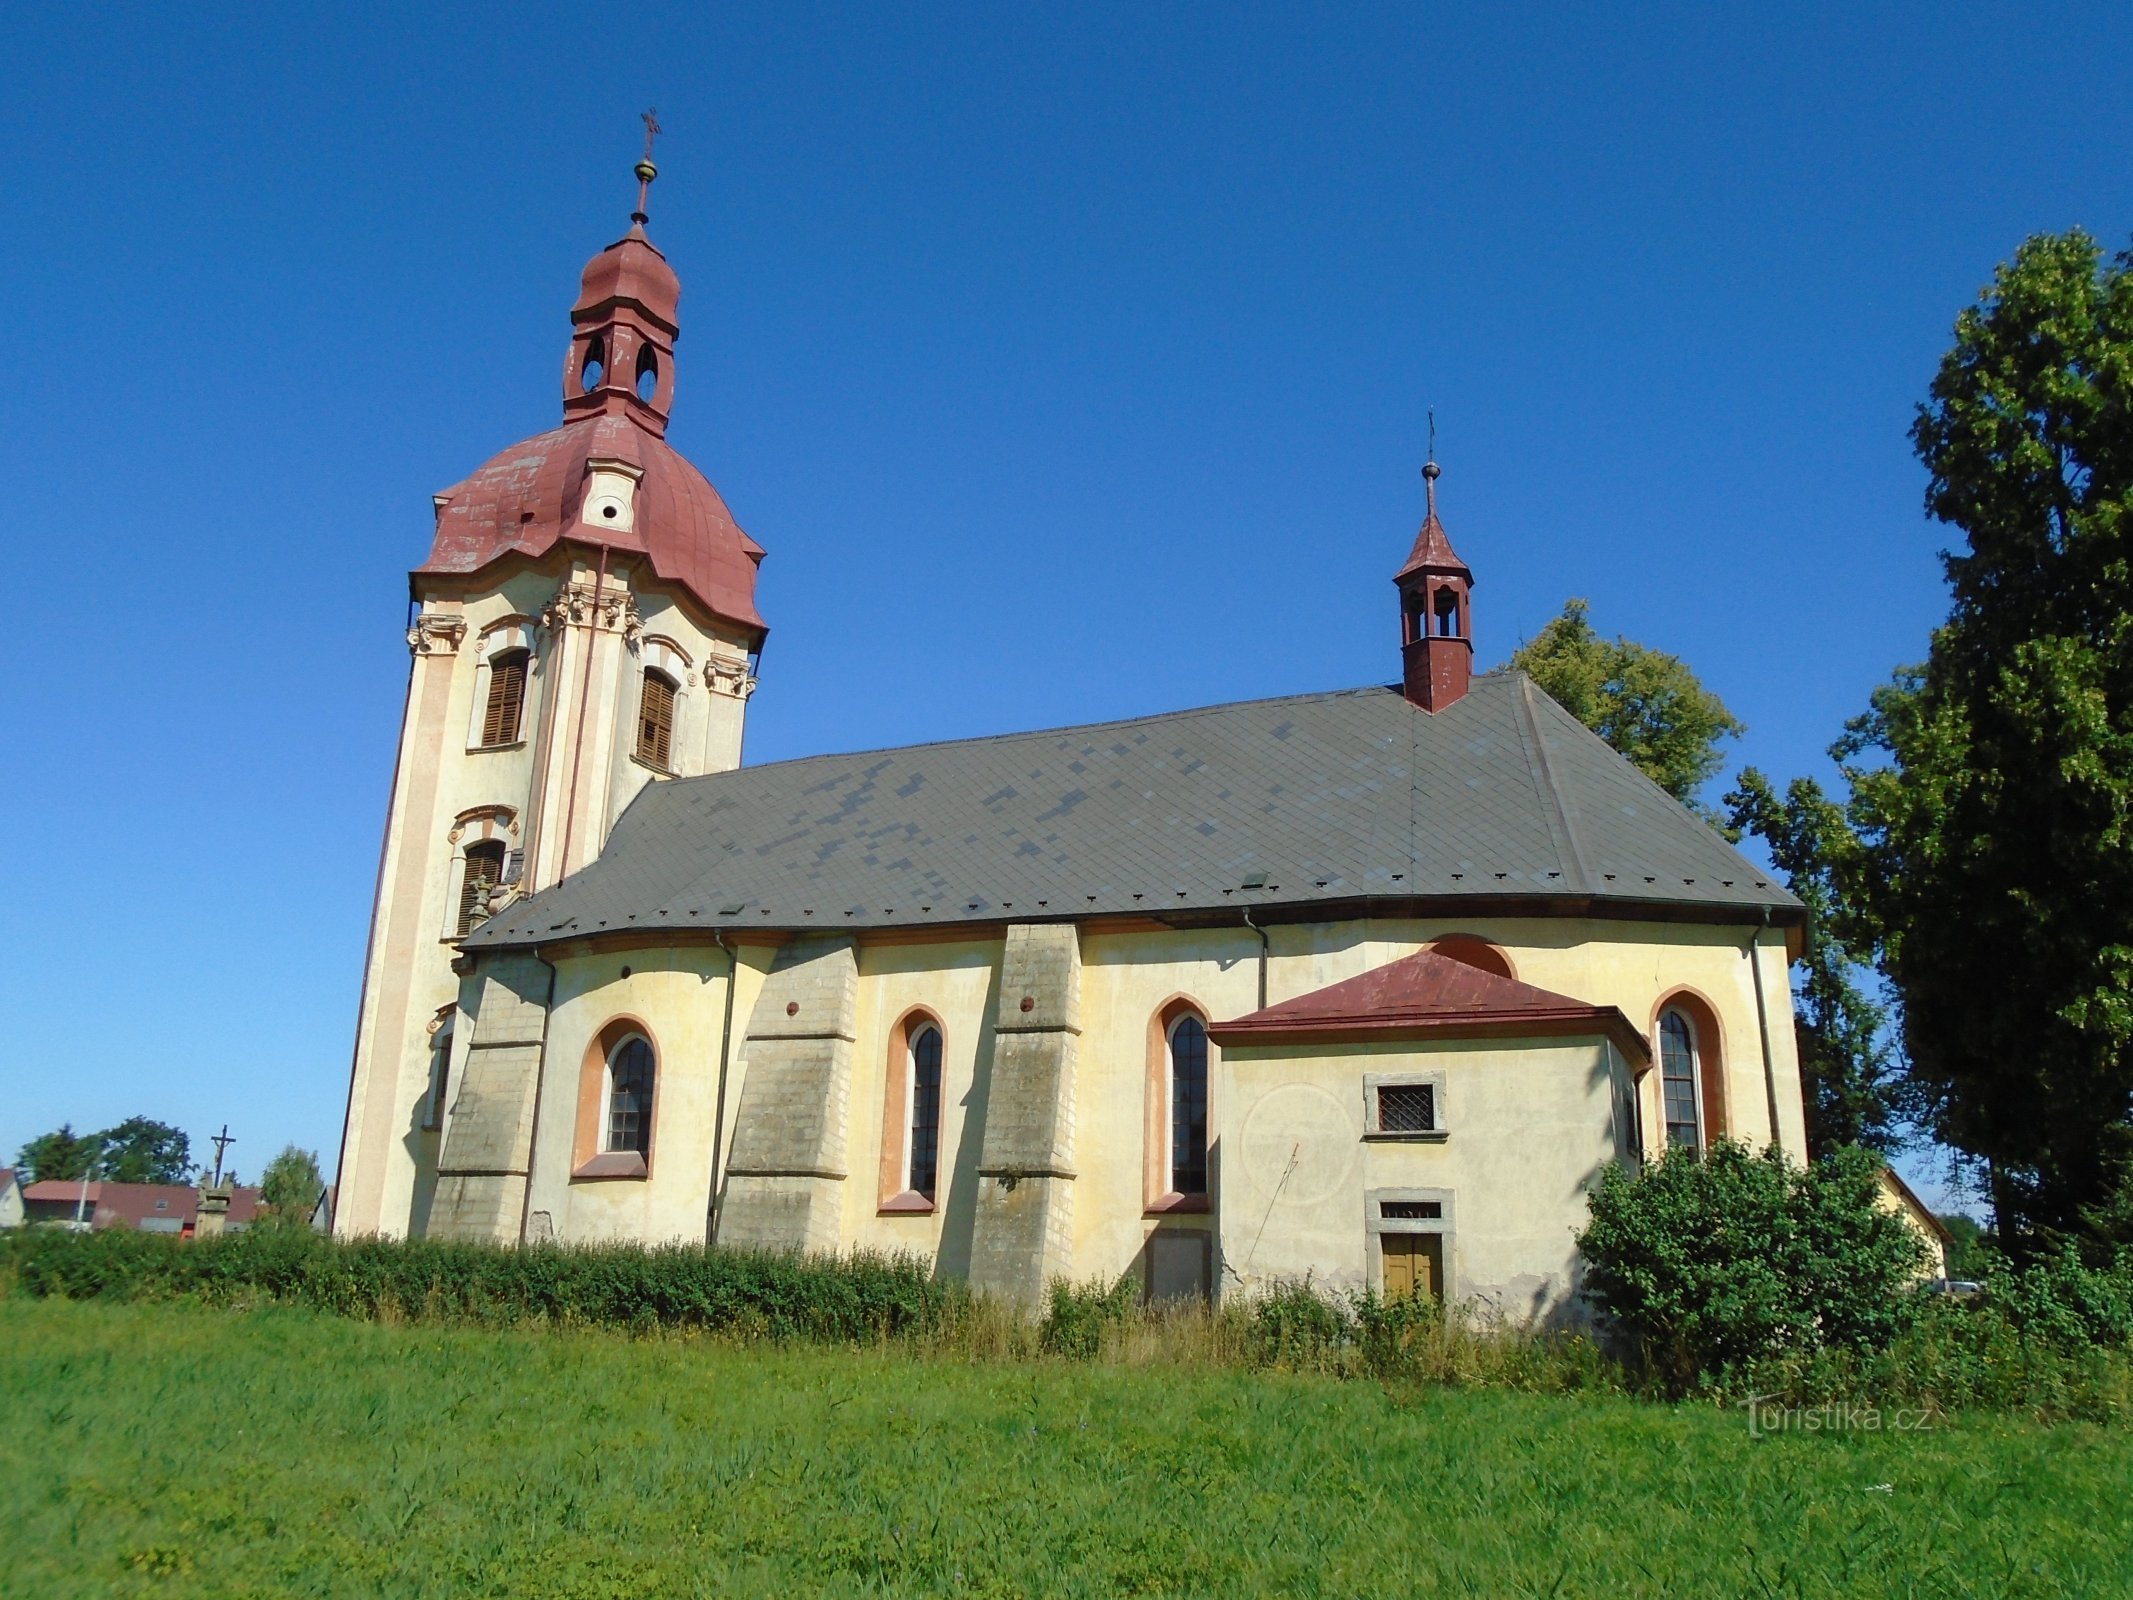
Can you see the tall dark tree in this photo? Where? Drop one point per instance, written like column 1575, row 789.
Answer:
column 1649, row 705
column 60, row 1154
column 1843, row 1032
column 1992, row 789
column 140, row 1150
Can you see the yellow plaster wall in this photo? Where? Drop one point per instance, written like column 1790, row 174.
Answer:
column 1544, row 1101
column 957, row 983
column 679, row 995
column 1529, row 1128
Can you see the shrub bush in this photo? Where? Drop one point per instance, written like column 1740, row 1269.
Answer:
column 1732, row 1259
column 852, row 1298
column 1076, row 1318
column 2065, row 1303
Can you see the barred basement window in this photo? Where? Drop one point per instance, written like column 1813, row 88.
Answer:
column 484, row 871
column 507, row 699
column 1407, row 1108
column 655, row 720
column 1411, row 1210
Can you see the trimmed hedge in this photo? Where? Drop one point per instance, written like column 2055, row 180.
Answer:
column 852, row 1299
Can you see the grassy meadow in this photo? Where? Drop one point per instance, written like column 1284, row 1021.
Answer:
column 161, row 1449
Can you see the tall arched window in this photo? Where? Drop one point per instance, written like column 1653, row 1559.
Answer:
column 507, row 699
column 484, row 871
column 655, row 720
column 629, row 1096
column 1188, row 1106
column 923, row 1153
column 1677, row 1079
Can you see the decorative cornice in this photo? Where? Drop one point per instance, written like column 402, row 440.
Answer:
column 436, row 633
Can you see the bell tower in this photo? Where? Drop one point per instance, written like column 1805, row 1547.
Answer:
column 1436, row 628
column 584, row 625
column 623, row 328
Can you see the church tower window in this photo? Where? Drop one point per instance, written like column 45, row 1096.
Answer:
column 629, row 1096
column 655, row 720
column 484, row 871
column 507, row 700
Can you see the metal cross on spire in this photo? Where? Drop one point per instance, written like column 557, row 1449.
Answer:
column 646, row 172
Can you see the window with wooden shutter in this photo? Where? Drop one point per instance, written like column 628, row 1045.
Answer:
column 485, row 870
column 507, row 698
column 655, row 721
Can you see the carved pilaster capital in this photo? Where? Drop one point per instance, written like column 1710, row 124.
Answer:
column 436, row 633
column 729, row 675
column 574, row 603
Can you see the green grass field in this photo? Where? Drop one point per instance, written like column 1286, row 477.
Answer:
column 172, row 1451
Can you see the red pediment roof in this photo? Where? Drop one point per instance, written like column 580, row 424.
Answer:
column 1427, row 995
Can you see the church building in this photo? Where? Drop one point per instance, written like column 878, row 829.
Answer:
column 1368, row 985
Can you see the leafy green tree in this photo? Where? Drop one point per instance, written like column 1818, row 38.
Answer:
column 1854, row 1092
column 1644, row 702
column 1992, row 788
column 1970, row 1246
column 61, row 1154
column 140, row 1150
column 290, row 1188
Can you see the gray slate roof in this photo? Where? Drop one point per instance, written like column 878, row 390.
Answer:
column 1343, row 797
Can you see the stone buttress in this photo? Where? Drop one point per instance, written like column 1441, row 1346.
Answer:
column 1023, row 1231
column 488, row 1142
column 785, row 1180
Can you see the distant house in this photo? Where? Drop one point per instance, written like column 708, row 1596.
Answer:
column 146, row 1207
column 11, row 1213
column 1903, row 1200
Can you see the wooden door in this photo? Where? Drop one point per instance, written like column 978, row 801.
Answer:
column 1414, row 1264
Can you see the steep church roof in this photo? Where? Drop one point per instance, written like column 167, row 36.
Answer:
column 1321, row 805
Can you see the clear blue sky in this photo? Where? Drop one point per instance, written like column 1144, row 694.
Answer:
column 1071, row 363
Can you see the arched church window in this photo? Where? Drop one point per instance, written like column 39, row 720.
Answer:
column 924, row 1151
column 594, row 367
column 629, row 1096
column 647, row 374
column 1677, row 1079
column 1188, row 1106
column 655, row 720
column 507, row 699
column 484, row 871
